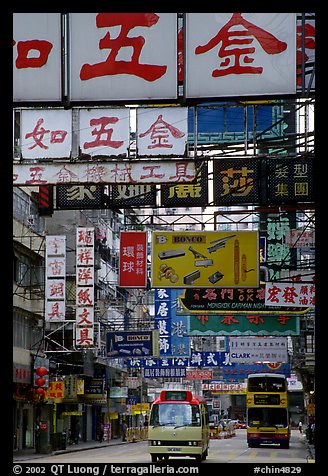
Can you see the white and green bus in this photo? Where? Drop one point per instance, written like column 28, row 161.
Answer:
column 178, row 426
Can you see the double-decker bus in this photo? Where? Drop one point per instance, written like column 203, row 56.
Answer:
column 267, row 410
column 178, row 426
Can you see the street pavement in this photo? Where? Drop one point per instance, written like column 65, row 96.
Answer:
column 30, row 453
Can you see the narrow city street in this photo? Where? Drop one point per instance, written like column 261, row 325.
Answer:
column 164, row 243
column 232, row 450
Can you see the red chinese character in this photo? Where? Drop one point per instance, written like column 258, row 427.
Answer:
column 283, row 320
column 180, row 55
column 55, row 312
column 152, row 173
column 83, row 317
column 84, row 297
column 227, row 291
column 234, row 43
column 181, row 172
column 255, row 320
column 36, row 174
column 85, row 255
column 84, row 237
column 289, row 294
column 65, row 175
column 309, row 43
column 210, row 294
column 107, row 142
column 122, row 174
column 85, row 274
column 24, row 47
column 54, row 245
column 56, row 267
column 95, row 173
column 112, row 66
column 203, row 319
column 84, row 337
column 39, row 132
column 159, row 132
column 229, row 320
column 56, row 289
column 272, row 294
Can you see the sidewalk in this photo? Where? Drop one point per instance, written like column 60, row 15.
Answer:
column 29, row 453
column 310, row 448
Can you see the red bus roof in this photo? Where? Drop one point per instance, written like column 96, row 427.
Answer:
column 179, row 396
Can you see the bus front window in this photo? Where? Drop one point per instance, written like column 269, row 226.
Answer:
column 175, row 414
column 273, row 417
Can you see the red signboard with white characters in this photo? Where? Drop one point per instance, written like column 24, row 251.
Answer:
column 133, row 259
column 223, row 387
column 199, row 374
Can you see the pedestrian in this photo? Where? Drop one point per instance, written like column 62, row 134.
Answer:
column 313, row 432
column 300, row 427
column 124, row 430
column 77, row 432
column 101, row 433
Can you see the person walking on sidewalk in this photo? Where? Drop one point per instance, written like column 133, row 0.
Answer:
column 77, row 432
column 124, row 430
column 101, row 433
column 300, row 427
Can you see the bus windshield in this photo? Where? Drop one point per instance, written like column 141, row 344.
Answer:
column 266, row 384
column 175, row 414
column 267, row 417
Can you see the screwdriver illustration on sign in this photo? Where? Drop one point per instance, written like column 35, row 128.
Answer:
column 203, row 261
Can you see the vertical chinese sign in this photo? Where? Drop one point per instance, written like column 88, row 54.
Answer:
column 84, row 287
column 163, row 320
column 173, row 328
column 133, row 259
column 55, row 278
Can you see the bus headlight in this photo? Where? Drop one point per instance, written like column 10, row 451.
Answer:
column 194, row 443
column 155, row 443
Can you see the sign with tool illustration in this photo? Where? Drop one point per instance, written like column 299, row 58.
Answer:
column 205, row 259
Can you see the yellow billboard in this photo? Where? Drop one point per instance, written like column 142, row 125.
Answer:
column 205, row 259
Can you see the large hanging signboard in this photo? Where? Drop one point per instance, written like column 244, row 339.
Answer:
column 290, row 180
column 134, row 343
column 85, row 284
column 46, row 134
column 162, row 131
column 37, row 57
column 135, row 56
column 240, row 54
column 133, row 259
column 240, row 324
column 232, row 300
column 220, row 259
column 172, row 328
column 55, row 302
column 188, row 195
column 286, row 294
column 79, row 197
column 104, row 173
column 258, row 349
column 236, row 181
column 131, row 196
column 123, row 56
